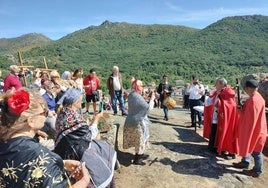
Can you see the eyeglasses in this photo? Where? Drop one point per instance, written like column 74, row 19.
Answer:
column 45, row 113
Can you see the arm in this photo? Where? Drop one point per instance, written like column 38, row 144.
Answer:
column 79, row 172
column 151, row 103
column 6, row 84
column 108, row 83
column 159, row 89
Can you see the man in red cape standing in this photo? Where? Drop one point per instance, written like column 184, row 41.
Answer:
column 252, row 130
column 220, row 119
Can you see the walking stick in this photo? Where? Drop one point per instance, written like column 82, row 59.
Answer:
column 238, row 92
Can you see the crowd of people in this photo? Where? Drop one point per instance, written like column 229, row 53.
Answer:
column 53, row 107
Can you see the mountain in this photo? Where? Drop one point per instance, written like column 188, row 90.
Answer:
column 22, row 43
column 231, row 47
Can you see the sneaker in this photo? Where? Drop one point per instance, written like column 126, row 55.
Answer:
column 240, row 165
column 251, row 173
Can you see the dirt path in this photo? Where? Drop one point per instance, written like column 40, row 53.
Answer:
column 179, row 158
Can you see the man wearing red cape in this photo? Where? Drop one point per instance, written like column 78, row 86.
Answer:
column 252, row 130
column 220, row 119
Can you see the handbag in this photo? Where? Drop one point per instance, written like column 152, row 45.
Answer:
column 169, row 102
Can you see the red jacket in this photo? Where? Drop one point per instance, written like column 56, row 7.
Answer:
column 91, row 84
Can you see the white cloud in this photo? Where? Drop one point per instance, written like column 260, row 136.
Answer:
column 171, row 6
column 209, row 15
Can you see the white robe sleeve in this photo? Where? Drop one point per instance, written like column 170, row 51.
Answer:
column 94, row 130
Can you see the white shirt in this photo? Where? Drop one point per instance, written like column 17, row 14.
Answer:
column 116, row 83
column 210, row 101
column 195, row 91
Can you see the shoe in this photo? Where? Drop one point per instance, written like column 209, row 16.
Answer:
column 200, row 126
column 144, row 156
column 86, row 112
column 251, row 173
column 124, row 114
column 138, row 160
column 240, row 165
column 230, row 156
column 115, row 113
column 166, row 119
column 117, row 165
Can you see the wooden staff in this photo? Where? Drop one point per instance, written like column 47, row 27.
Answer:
column 22, row 67
column 238, row 92
column 45, row 63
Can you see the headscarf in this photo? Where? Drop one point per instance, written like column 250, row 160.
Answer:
column 70, row 96
column 65, row 75
column 135, row 84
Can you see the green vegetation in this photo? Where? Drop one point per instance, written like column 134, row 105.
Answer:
column 22, row 43
column 231, row 47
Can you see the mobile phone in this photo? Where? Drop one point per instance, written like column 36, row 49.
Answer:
column 79, row 166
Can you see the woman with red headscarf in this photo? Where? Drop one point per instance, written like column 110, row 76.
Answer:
column 136, row 130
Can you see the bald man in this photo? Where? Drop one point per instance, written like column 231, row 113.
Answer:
column 12, row 80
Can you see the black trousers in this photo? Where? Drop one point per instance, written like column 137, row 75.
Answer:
column 192, row 104
column 211, row 143
column 186, row 101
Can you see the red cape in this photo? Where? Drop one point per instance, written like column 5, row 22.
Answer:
column 252, row 128
column 227, row 121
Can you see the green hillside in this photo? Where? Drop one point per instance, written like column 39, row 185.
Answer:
column 24, row 42
column 231, row 47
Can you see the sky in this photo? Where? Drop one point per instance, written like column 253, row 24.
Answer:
column 57, row 18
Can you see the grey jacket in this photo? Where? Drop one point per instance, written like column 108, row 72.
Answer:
column 137, row 109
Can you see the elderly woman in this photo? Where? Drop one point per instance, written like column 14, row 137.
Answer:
column 75, row 140
column 25, row 162
column 136, row 130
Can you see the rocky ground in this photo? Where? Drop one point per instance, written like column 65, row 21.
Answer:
column 178, row 158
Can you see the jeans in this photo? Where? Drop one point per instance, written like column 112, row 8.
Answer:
column 258, row 161
column 192, row 104
column 165, row 109
column 118, row 96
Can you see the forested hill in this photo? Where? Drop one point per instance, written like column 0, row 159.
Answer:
column 24, row 42
column 231, row 47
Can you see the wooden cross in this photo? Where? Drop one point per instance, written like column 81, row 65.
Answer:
column 23, row 67
column 46, row 67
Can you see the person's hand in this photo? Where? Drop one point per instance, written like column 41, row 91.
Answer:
column 77, row 170
column 42, row 134
column 71, row 165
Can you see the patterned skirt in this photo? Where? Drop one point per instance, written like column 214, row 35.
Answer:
column 133, row 136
